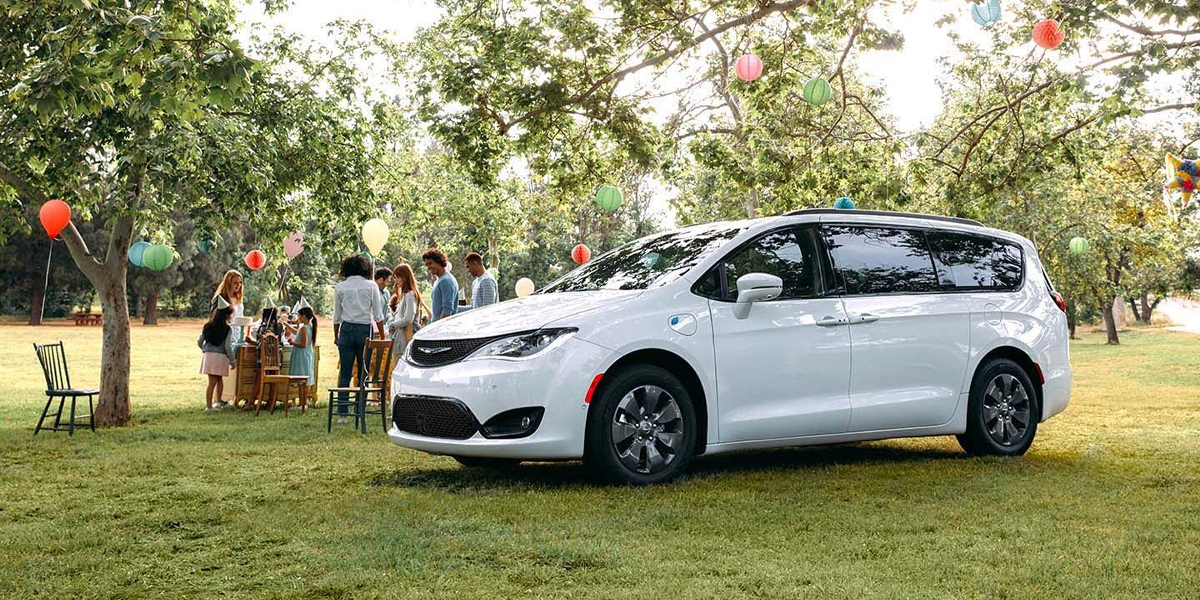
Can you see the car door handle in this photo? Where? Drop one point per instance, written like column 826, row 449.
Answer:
column 833, row 321
column 865, row 318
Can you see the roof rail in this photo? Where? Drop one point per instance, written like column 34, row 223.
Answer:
column 881, row 213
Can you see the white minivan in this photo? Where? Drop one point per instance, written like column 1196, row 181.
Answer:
column 815, row 327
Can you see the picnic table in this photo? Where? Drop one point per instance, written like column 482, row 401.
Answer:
column 88, row 318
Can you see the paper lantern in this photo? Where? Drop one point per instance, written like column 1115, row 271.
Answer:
column 581, row 254
column 608, row 198
column 986, row 14
column 817, row 91
column 524, row 287
column 158, row 257
column 1182, row 175
column 749, row 67
column 54, row 215
column 375, row 235
column 293, row 244
column 1047, row 34
column 255, row 260
column 137, row 253
column 206, row 246
column 843, row 203
column 1079, row 245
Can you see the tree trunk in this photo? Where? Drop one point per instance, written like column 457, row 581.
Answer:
column 1071, row 320
column 1137, row 316
column 1147, row 308
column 752, row 204
column 150, row 314
column 1110, row 322
column 35, row 306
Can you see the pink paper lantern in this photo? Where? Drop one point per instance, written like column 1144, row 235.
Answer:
column 749, row 67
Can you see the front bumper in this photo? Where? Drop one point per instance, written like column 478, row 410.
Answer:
column 556, row 380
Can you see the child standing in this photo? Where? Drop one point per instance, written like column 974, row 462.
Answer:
column 302, row 344
column 216, row 341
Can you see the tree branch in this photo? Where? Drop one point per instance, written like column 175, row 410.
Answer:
column 23, row 187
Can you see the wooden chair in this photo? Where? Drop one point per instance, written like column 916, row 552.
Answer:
column 53, row 359
column 269, row 378
column 372, row 386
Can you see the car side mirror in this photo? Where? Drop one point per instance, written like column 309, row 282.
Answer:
column 755, row 287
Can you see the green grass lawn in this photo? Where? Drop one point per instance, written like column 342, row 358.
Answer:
column 183, row 504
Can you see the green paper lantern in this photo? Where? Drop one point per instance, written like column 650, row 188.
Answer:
column 1079, row 245
column 817, row 91
column 137, row 253
column 608, row 198
column 843, row 203
column 158, row 257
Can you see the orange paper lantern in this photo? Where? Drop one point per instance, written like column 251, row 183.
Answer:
column 255, row 259
column 581, row 254
column 1047, row 34
column 54, row 215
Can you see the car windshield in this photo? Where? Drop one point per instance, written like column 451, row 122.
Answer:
column 648, row 262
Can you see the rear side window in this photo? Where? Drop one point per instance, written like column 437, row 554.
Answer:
column 975, row 263
column 881, row 260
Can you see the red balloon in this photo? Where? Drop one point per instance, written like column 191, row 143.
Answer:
column 1047, row 34
column 580, row 254
column 55, row 215
column 255, row 259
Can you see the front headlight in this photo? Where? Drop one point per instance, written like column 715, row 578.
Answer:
column 523, row 345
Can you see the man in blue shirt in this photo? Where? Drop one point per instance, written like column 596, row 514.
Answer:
column 445, row 290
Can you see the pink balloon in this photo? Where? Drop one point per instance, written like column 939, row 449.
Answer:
column 293, row 244
column 749, row 67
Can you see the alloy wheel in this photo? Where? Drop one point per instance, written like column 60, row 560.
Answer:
column 1006, row 410
column 647, row 429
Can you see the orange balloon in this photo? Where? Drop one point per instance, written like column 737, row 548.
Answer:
column 255, row 259
column 581, row 254
column 55, row 215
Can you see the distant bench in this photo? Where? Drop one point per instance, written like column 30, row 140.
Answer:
column 88, row 318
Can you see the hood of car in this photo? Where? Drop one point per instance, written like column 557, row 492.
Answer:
column 522, row 314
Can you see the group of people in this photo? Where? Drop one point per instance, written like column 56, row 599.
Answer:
column 384, row 304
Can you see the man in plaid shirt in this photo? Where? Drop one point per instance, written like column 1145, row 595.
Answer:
column 484, row 290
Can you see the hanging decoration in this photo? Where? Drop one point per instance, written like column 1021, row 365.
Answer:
column 206, row 245
column 1181, row 175
column 1078, row 245
column 608, row 198
column 255, row 260
column 375, row 235
column 158, row 257
column 54, row 215
column 524, row 287
column 817, row 91
column 293, row 244
column 749, row 67
column 986, row 13
column 137, row 253
column 843, row 203
column 581, row 254
column 1048, row 34
column 555, row 269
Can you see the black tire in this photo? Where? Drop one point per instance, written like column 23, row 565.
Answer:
column 480, row 462
column 669, row 437
column 988, row 434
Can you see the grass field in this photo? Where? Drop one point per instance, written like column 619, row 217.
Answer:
column 187, row 505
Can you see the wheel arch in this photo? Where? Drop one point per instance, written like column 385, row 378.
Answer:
column 1022, row 359
column 677, row 366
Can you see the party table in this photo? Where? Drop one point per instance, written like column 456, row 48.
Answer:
column 243, row 378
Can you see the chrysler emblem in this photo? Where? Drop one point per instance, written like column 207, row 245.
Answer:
column 438, row 350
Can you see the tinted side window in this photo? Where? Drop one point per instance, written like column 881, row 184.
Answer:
column 977, row 263
column 881, row 260
column 788, row 254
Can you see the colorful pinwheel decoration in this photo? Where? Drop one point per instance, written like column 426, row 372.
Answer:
column 1181, row 175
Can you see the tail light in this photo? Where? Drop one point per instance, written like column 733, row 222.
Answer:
column 1058, row 299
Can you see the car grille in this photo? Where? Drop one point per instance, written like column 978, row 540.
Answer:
column 433, row 417
column 435, row 353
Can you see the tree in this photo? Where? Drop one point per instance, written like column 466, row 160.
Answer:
column 135, row 110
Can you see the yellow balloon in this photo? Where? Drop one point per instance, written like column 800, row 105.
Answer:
column 375, row 235
column 524, row 287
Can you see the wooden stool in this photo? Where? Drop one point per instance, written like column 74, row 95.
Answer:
column 270, row 356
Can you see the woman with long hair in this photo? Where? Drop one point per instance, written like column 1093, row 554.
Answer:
column 406, row 302
column 231, row 290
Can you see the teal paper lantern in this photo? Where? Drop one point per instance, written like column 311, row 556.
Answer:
column 137, row 253
column 158, row 257
column 206, row 246
column 1079, row 245
column 817, row 91
column 986, row 13
column 843, row 203
column 608, row 198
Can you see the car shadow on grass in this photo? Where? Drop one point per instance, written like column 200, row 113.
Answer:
column 531, row 476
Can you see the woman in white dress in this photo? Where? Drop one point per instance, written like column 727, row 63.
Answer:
column 406, row 301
